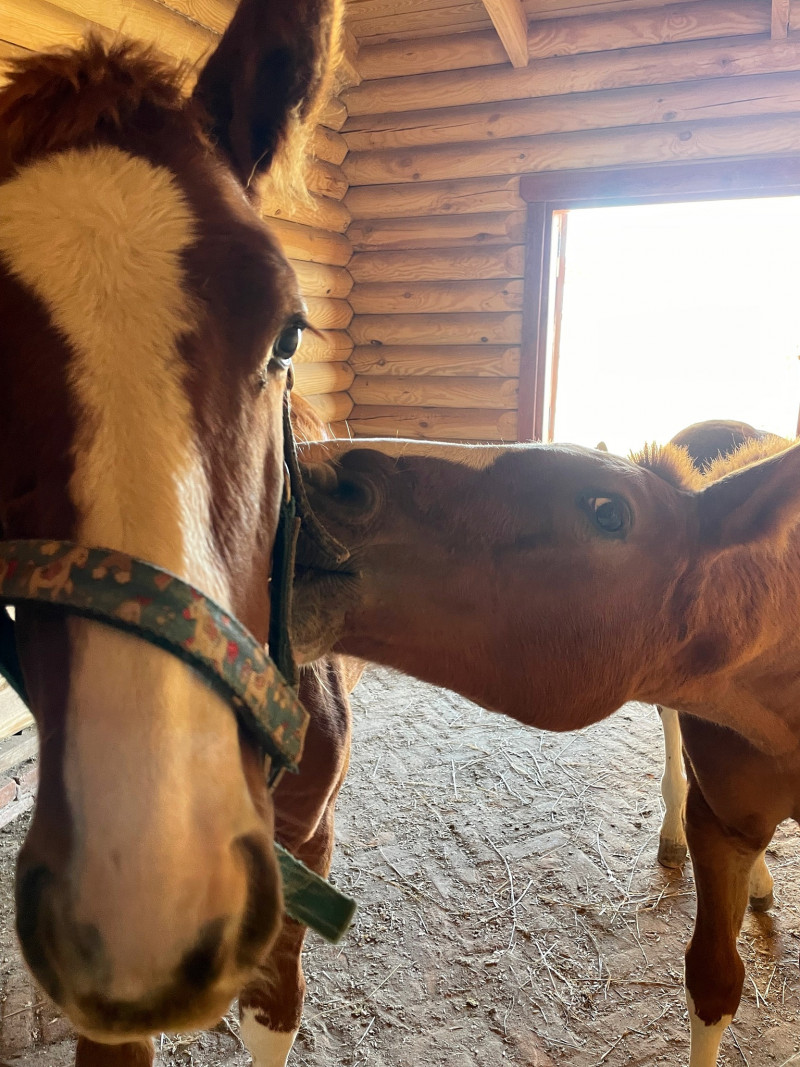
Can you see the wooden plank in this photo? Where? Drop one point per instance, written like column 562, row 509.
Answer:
column 386, row 298
column 325, row 314
column 214, row 14
column 407, row 23
column 329, row 346
column 328, row 145
column 310, row 244
column 719, row 98
column 15, row 750
column 466, row 361
column 603, row 148
column 511, row 23
column 319, row 279
column 37, row 24
column 451, row 392
column 311, row 378
column 461, row 424
column 434, row 198
column 324, row 179
column 147, row 21
column 655, row 65
column 318, row 211
column 331, row 407
column 468, row 329
column 14, row 716
column 497, row 228
column 433, row 266
column 779, row 24
column 333, row 114
column 551, row 9
column 702, row 20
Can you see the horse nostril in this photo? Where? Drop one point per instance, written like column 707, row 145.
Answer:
column 201, row 966
column 35, row 925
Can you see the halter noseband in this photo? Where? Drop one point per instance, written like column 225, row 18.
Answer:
column 129, row 594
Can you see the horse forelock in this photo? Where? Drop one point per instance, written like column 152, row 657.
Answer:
column 671, row 463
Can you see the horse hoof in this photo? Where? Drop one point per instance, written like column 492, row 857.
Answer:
column 762, row 903
column 671, row 853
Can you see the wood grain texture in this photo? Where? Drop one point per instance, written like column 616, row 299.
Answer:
column 328, row 145
column 423, row 297
column 320, row 279
column 655, row 65
column 330, row 346
column 648, row 144
column 14, row 716
column 779, row 24
column 473, row 196
column 720, row 98
column 408, row 22
column 404, row 58
column 319, row 211
column 310, row 244
column 331, row 407
column 462, row 424
column 37, row 24
column 473, row 328
column 325, row 179
column 500, row 393
column 466, row 361
column 511, row 23
column 326, row 314
column 214, row 14
column 472, row 231
column 436, row 265
column 315, row 378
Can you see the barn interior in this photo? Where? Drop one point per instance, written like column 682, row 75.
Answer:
column 511, row 910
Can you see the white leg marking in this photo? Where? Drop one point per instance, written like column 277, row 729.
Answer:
column 672, row 846
column 760, row 879
column 705, row 1039
column 269, row 1048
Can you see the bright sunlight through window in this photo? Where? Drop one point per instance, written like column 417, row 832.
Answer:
column 677, row 313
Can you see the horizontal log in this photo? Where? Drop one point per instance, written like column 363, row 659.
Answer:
column 331, row 407
column 18, row 748
column 387, row 298
column 468, row 329
column 319, row 279
column 536, row 9
column 37, row 24
column 498, row 393
column 462, row 424
column 313, row 378
column 602, row 148
column 311, row 244
column 721, row 98
column 702, row 20
column 327, row 314
column 434, row 198
column 416, row 22
column 328, row 145
column 325, row 179
column 215, row 14
column 467, row 361
column 347, row 72
column 329, row 346
column 654, row 65
column 332, row 114
column 497, row 228
column 14, row 716
column 511, row 23
column 341, row 430
column 148, row 21
column 434, row 266
column 318, row 211
column 9, row 52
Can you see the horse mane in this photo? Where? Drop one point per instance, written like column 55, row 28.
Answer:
column 64, row 99
column 674, row 465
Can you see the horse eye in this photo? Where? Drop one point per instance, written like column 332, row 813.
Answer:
column 287, row 344
column 610, row 514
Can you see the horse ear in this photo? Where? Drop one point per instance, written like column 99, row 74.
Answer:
column 757, row 503
column 268, row 74
column 601, row 446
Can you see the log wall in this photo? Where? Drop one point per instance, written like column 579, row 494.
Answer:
column 313, row 234
column 438, row 223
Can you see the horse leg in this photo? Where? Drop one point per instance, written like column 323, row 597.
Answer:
column 761, row 898
column 722, row 862
column 271, row 1005
column 134, row 1054
column 672, row 841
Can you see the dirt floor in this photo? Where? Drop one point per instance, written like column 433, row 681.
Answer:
column 511, row 910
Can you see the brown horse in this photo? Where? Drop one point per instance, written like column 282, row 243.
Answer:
column 148, row 320
column 554, row 584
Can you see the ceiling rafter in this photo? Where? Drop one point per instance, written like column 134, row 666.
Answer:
column 511, row 23
column 780, row 20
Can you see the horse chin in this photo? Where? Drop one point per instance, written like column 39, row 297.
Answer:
column 322, row 600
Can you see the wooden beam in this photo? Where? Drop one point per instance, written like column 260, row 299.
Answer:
column 331, row 407
column 469, row 329
column 511, row 23
column 438, row 266
column 318, row 279
column 499, row 393
column 452, row 424
column 314, row 378
column 14, row 716
column 779, row 29
column 440, row 198
column 466, row 361
column 387, row 298
column 495, row 228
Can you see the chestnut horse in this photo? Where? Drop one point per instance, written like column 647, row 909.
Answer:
column 149, row 318
column 555, row 584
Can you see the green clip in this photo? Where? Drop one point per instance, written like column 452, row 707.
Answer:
column 310, row 900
